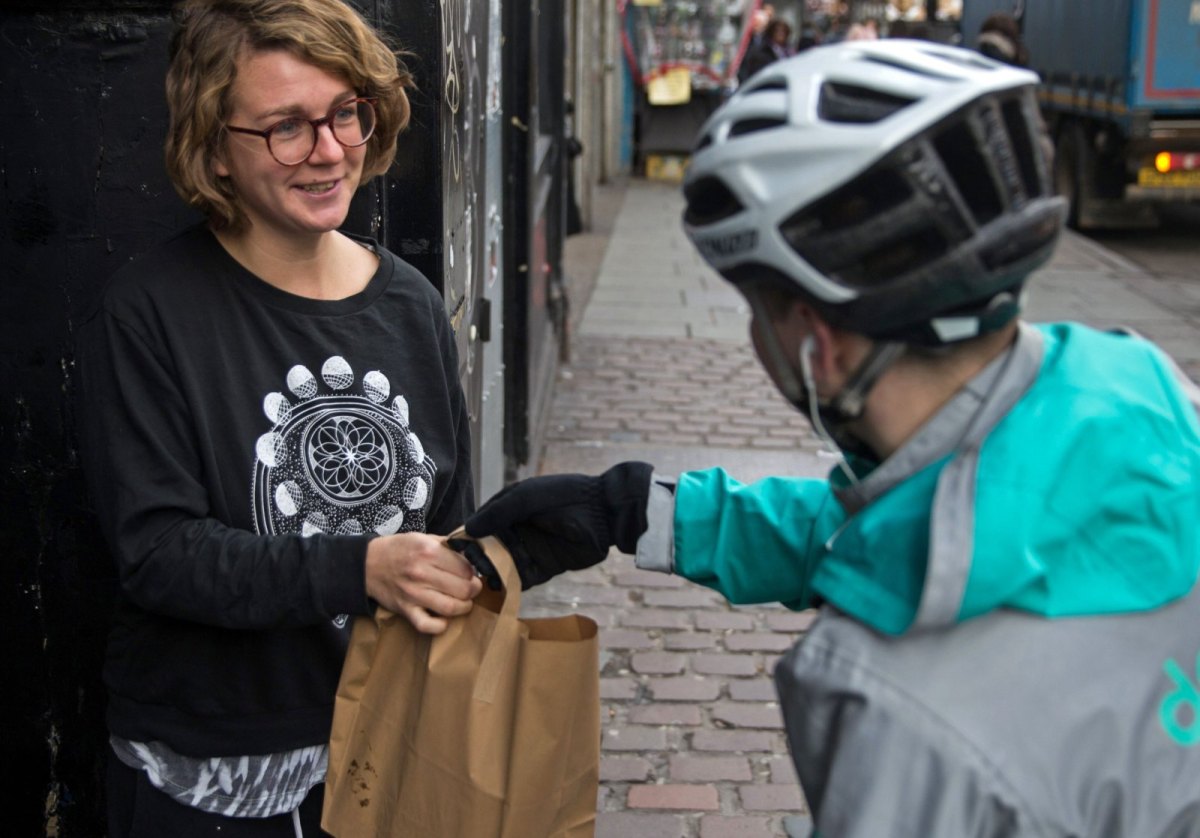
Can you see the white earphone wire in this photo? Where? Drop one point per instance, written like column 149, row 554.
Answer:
column 814, row 411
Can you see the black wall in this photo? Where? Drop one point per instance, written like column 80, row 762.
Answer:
column 82, row 119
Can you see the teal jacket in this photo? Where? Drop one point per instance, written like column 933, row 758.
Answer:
column 1083, row 499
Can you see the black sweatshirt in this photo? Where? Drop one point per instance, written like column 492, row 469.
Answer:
column 242, row 444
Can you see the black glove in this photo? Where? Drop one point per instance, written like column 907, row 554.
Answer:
column 561, row 522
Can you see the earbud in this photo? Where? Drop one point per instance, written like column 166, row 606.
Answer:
column 807, row 347
column 806, row 350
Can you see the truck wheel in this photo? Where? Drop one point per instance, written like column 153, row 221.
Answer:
column 1067, row 152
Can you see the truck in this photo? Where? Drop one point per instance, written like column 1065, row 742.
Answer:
column 1120, row 92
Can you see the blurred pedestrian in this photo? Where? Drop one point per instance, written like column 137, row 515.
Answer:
column 761, row 16
column 773, row 45
column 810, row 36
column 1000, row 38
column 861, row 32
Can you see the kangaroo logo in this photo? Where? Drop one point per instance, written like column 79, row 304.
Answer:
column 1179, row 712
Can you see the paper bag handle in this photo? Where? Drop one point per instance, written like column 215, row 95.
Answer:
column 502, row 645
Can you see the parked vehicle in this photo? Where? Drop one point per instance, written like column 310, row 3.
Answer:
column 1121, row 93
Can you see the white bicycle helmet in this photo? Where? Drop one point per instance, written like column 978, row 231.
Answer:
column 901, row 187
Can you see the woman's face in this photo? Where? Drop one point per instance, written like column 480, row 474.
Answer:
column 288, row 201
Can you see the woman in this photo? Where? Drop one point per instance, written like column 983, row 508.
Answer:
column 274, row 422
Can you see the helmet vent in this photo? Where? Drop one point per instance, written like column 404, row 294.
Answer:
column 751, row 126
column 915, row 70
column 895, row 258
column 709, row 201
column 963, row 58
column 1022, row 143
column 967, row 168
column 765, row 85
column 856, row 203
column 857, row 105
column 833, row 235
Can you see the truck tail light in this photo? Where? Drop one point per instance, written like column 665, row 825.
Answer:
column 1170, row 161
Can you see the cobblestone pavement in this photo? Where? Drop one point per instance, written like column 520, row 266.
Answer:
column 661, row 370
column 692, row 737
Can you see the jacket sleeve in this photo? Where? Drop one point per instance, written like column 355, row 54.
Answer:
column 173, row 558
column 754, row 542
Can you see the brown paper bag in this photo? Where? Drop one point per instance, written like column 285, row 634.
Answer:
column 490, row 729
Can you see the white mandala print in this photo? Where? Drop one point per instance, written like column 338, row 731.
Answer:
column 336, row 461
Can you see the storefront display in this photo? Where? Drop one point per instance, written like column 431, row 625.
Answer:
column 683, row 57
column 675, row 47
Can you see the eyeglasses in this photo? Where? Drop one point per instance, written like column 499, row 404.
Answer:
column 291, row 141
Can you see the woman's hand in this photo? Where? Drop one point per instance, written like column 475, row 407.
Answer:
column 416, row 575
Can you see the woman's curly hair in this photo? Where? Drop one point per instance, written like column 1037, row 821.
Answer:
column 212, row 35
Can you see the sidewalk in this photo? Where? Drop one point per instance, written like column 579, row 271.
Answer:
column 661, row 370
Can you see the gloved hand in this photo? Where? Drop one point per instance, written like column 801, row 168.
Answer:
column 561, row 522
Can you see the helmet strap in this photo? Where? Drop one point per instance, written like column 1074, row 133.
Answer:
column 848, row 404
column 831, row 420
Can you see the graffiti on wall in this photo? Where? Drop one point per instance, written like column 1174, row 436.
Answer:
column 464, row 61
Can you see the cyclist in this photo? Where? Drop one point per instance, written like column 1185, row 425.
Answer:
column 1006, row 556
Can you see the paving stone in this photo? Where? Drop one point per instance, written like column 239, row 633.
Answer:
column 683, row 689
column 746, row 714
column 674, row 438
column 724, row 664
column 672, row 796
column 739, row 826
column 625, row 769
column 626, row 639
column 620, row 689
column 636, row 825
column 657, row 663
column 773, row 442
column 758, row 641
column 686, row 640
column 724, row 621
column 586, row 594
column 727, row 440
column 700, row 769
column 756, row 421
column 633, row 738
column 736, row 740
column 772, row 798
column 783, row 770
column 606, row 616
column 666, row 714
column 656, row 618
column 753, row 689
column 694, row 597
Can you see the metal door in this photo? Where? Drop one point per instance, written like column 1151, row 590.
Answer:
column 535, row 299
